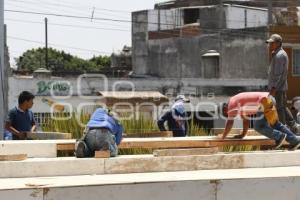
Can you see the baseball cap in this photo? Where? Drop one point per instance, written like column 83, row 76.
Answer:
column 182, row 97
column 274, row 38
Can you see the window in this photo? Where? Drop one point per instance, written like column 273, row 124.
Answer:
column 191, row 15
column 296, row 62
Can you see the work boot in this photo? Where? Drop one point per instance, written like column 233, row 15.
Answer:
column 296, row 129
column 80, row 149
column 294, row 147
column 280, row 142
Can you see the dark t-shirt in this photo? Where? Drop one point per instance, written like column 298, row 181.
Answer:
column 172, row 125
column 21, row 121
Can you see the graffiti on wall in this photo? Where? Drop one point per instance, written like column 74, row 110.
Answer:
column 58, row 87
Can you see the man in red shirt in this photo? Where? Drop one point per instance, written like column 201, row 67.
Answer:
column 247, row 104
column 244, row 105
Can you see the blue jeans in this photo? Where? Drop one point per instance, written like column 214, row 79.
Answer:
column 100, row 140
column 261, row 125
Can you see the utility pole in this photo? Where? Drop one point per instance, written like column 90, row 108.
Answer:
column 270, row 8
column 46, row 43
column 2, row 71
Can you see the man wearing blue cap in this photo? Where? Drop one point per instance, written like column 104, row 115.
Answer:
column 103, row 132
column 176, row 119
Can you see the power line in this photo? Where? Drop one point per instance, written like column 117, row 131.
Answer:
column 78, row 10
column 80, row 6
column 82, row 17
column 104, row 19
column 163, row 32
column 68, row 25
column 58, row 45
column 69, row 16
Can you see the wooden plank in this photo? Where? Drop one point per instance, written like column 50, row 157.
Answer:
column 235, row 131
column 65, row 147
column 186, row 152
column 13, row 157
column 164, row 143
column 184, row 142
column 102, row 154
column 150, row 134
column 48, row 135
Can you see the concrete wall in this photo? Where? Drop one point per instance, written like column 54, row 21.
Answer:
column 244, row 56
column 210, row 18
column 139, row 41
column 246, row 184
column 238, row 17
column 181, row 57
column 83, row 90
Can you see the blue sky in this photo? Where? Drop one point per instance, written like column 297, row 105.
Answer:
column 81, row 37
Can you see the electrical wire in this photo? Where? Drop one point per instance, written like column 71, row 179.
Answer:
column 67, row 25
column 58, row 45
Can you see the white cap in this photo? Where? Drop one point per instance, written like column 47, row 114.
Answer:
column 182, row 97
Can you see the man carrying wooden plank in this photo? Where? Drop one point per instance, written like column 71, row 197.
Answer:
column 103, row 133
column 266, row 122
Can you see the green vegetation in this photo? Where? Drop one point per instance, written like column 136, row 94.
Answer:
column 196, row 130
column 61, row 124
column 132, row 126
column 60, row 61
column 240, row 148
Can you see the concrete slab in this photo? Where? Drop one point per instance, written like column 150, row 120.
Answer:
column 24, row 194
column 48, row 148
column 233, row 184
column 146, row 163
column 33, row 148
column 51, row 167
column 186, row 152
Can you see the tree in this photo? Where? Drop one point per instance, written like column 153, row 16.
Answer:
column 59, row 61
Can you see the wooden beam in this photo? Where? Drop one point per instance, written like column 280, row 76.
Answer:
column 182, row 142
column 186, row 152
column 102, row 154
column 150, row 134
column 13, row 157
column 191, row 142
column 65, row 147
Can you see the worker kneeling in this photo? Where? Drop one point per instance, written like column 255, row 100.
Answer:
column 103, row 133
column 266, row 119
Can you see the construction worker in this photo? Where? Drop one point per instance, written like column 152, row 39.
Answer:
column 103, row 133
column 176, row 118
column 277, row 81
column 20, row 120
column 266, row 121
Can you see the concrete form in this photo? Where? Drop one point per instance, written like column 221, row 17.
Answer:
column 49, row 148
column 247, row 184
column 33, row 148
column 40, row 167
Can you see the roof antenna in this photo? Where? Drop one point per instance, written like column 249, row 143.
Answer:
column 92, row 17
